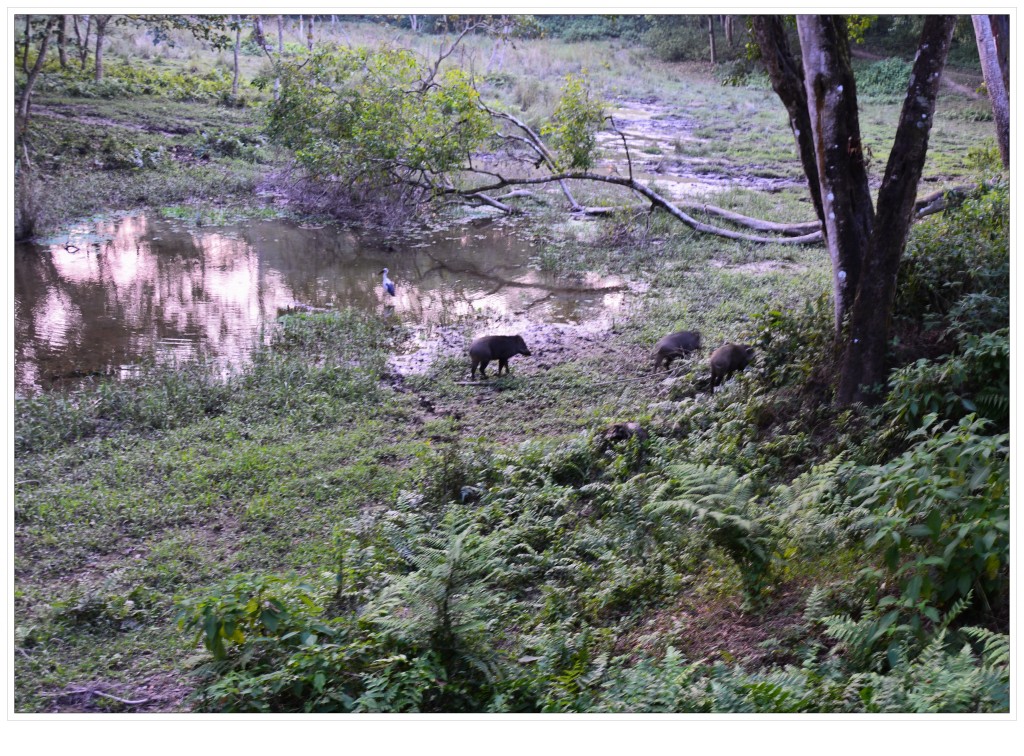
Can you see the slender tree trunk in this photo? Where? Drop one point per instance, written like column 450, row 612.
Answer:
column 28, row 43
column 238, row 45
column 300, row 26
column 62, row 34
column 26, row 220
column 414, row 22
column 787, row 77
column 995, row 83
column 842, row 174
column 728, row 29
column 864, row 365
column 310, row 32
column 280, row 52
column 101, row 30
column 711, row 38
column 83, row 41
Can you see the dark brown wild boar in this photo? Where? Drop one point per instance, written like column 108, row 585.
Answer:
column 678, row 344
column 727, row 359
column 499, row 348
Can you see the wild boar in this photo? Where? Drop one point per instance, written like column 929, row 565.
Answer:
column 678, row 344
column 727, row 359
column 499, row 348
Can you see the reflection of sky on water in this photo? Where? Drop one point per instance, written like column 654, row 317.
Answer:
column 140, row 288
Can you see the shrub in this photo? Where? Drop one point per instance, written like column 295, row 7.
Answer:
column 889, row 77
column 939, row 514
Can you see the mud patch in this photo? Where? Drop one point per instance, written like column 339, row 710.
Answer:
column 657, row 137
column 550, row 343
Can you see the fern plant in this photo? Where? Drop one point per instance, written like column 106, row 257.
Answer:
column 447, row 607
column 717, row 502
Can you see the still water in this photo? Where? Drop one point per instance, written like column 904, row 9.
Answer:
column 118, row 293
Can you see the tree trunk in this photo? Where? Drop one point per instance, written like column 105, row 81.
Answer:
column 787, row 77
column 310, row 33
column 62, row 35
column 728, row 29
column 414, row 22
column 238, row 44
column 711, row 38
column 28, row 43
column 101, row 30
column 995, row 83
column 300, row 26
column 842, row 175
column 1001, row 31
column 864, row 365
column 280, row 52
column 83, row 42
column 26, row 195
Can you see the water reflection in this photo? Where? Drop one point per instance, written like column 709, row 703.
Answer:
column 138, row 288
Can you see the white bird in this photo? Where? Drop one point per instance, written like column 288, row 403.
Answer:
column 389, row 285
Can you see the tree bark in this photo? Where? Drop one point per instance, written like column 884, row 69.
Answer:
column 62, row 35
column 991, row 67
column 310, row 33
column 864, row 365
column 101, row 30
column 727, row 22
column 26, row 194
column 238, row 44
column 711, row 37
column 842, row 174
column 83, row 42
column 28, row 43
column 787, row 77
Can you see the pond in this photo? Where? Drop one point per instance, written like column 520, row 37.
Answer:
column 122, row 292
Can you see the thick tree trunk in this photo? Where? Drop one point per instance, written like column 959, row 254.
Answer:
column 787, row 77
column 101, row 30
column 842, row 174
column 62, row 37
column 864, row 365
column 995, row 82
column 1001, row 31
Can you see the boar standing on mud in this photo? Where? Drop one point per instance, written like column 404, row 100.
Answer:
column 678, row 344
column 727, row 359
column 499, row 348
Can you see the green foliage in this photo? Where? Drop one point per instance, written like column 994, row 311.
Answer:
column 963, row 252
column 976, row 380
column 574, row 125
column 369, row 116
column 940, row 678
column 886, row 78
column 272, row 649
column 793, row 344
column 446, row 611
column 939, row 514
column 139, row 80
column 717, row 501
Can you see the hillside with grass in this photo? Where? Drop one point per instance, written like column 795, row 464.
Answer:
column 318, row 532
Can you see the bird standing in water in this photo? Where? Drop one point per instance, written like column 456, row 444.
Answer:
column 389, row 285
